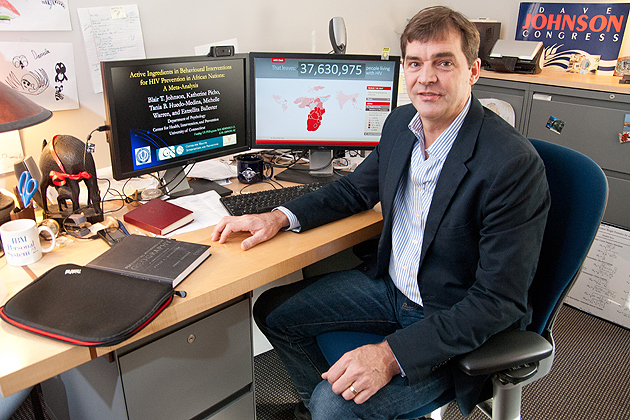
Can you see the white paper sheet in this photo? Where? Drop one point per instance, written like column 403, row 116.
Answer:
column 11, row 151
column 603, row 286
column 207, row 210
column 29, row 15
column 43, row 72
column 110, row 33
column 213, row 169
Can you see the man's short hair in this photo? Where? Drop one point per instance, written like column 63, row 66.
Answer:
column 434, row 23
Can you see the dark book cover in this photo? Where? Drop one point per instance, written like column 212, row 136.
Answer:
column 159, row 216
column 161, row 259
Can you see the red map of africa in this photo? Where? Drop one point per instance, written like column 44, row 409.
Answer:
column 314, row 120
column 316, row 105
column 315, row 117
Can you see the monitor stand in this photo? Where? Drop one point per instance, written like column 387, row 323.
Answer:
column 321, row 160
column 178, row 185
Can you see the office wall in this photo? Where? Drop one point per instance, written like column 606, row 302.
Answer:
column 175, row 28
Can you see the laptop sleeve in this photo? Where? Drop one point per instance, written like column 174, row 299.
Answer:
column 86, row 306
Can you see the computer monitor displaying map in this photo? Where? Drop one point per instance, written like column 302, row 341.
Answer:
column 166, row 113
column 321, row 102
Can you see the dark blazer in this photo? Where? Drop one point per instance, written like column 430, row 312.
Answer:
column 481, row 241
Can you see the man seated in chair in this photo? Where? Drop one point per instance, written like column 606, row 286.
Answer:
column 464, row 199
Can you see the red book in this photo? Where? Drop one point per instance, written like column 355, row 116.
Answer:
column 159, row 216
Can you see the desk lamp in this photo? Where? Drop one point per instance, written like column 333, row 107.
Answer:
column 17, row 112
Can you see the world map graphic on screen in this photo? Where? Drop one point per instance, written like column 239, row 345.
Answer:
column 315, row 105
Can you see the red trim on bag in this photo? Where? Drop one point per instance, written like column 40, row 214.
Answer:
column 154, row 315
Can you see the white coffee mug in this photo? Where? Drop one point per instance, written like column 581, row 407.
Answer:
column 20, row 241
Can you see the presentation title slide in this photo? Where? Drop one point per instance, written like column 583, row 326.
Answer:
column 181, row 78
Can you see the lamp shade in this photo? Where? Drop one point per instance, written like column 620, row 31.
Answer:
column 17, row 111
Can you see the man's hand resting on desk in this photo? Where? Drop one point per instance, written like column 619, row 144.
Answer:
column 262, row 227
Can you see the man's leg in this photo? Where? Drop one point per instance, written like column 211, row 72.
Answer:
column 292, row 316
column 396, row 398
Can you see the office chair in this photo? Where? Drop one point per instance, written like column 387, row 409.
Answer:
column 579, row 192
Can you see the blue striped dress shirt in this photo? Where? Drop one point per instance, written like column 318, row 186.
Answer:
column 412, row 203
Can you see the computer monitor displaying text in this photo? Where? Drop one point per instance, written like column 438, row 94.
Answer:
column 321, row 101
column 166, row 113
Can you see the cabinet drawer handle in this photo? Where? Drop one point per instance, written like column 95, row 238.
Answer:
column 542, row 97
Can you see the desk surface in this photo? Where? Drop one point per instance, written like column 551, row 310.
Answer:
column 27, row 359
column 564, row 79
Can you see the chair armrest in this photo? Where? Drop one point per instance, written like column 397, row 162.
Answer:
column 505, row 350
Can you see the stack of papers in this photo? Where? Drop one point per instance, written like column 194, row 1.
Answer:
column 207, row 210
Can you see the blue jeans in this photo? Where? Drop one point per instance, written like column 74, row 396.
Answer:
column 292, row 316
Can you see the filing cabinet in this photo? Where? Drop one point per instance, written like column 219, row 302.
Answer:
column 200, row 370
column 591, row 123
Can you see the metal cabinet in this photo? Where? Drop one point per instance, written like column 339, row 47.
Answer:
column 590, row 120
column 591, row 124
column 203, row 369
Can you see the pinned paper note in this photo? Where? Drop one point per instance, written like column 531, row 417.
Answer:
column 118, row 12
column 110, row 33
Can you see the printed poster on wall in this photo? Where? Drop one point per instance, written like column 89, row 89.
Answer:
column 34, row 15
column 575, row 34
column 43, row 72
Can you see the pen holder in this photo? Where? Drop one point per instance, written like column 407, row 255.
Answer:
column 27, row 213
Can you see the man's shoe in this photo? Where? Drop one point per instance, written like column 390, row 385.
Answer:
column 301, row 412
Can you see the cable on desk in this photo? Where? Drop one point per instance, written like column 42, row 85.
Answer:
column 182, row 170
column 297, row 159
column 271, row 182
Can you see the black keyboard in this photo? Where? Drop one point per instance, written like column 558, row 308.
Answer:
column 262, row 201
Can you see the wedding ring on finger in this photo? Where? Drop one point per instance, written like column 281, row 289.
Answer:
column 354, row 391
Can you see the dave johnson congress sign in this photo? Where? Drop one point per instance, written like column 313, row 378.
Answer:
column 566, row 29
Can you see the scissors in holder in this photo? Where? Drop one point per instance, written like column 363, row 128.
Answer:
column 27, row 187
